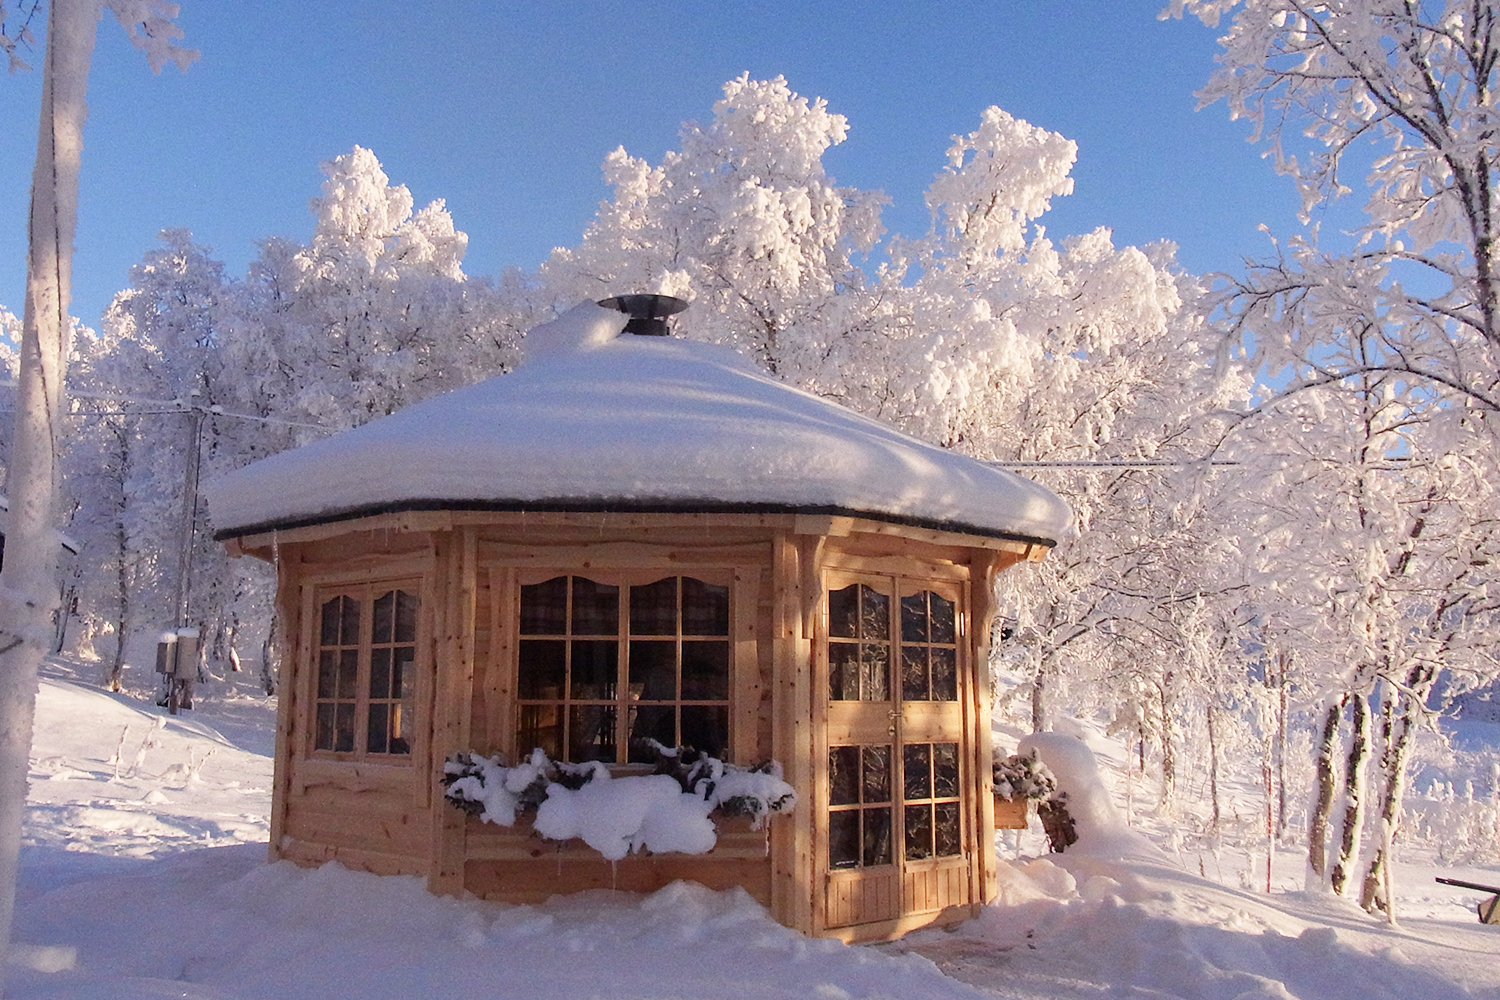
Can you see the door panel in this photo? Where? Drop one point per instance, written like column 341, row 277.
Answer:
column 893, row 683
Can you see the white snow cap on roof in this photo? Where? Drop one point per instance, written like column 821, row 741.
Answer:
column 594, row 420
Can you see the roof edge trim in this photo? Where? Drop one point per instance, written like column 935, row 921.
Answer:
column 624, row 506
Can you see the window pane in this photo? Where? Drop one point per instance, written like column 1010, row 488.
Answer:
column 653, row 670
column 914, row 685
column 705, row 671
column 399, row 742
column 918, row 832
column 329, row 633
column 543, row 667
column 914, row 618
column 595, row 665
column 541, row 729
column 843, row 613
column 946, row 830
column 944, row 620
column 406, row 617
column 843, row 671
column 706, row 728
column 596, row 608
column 402, row 674
column 874, row 614
column 375, row 739
column 843, row 839
column 653, row 722
column 874, row 672
column 343, row 726
column 348, row 672
column 877, row 839
column 380, row 673
column 916, row 770
column 843, row 775
column 327, row 674
column 876, row 773
column 944, row 674
column 653, row 608
column 383, row 622
column 324, row 738
column 945, row 770
column 349, row 622
column 705, row 608
column 591, row 733
column 544, row 608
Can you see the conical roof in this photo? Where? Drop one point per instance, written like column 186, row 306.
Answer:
column 596, row 421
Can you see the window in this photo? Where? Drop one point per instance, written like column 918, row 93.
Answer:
column 860, row 641
column 859, row 799
column 605, row 666
column 366, row 677
column 931, row 811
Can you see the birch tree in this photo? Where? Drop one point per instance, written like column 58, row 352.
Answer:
column 28, row 579
column 1404, row 318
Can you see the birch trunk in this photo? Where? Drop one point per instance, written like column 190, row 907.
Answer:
column 1350, row 840
column 28, row 581
column 1317, row 824
column 1395, row 733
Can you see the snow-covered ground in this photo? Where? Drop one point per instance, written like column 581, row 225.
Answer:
column 144, row 876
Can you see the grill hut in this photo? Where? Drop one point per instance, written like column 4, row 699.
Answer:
column 640, row 536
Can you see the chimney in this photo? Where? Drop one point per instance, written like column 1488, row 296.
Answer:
column 648, row 313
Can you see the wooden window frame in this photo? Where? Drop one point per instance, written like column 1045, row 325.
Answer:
column 365, row 593
column 622, row 701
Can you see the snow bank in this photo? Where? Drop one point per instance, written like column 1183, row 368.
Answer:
column 222, row 924
column 644, row 422
column 1101, row 829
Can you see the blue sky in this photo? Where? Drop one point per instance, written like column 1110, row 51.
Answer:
column 506, row 110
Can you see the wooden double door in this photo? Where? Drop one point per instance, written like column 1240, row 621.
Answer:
column 896, row 830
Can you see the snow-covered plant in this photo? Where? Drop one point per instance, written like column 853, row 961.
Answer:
column 757, row 791
column 1023, row 776
column 664, row 811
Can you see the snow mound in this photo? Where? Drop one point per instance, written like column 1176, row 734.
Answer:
column 1102, row 831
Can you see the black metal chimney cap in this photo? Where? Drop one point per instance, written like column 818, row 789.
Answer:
column 648, row 313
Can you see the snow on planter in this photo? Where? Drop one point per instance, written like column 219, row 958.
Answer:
column 617, row 816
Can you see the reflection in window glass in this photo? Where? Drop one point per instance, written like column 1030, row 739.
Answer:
column 665, row 678
column 859, row 647
column 929, row 654
column 931, row 814
column 860, row 806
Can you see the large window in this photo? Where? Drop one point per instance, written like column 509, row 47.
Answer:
column 605, row 666
column 366, row 671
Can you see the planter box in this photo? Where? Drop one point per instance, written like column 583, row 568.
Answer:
column 1010, row 814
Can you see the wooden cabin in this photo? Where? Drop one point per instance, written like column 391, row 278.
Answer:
column 640, row 536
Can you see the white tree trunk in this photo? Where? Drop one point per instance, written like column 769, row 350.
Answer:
column 1351, row 839
column 28, row 581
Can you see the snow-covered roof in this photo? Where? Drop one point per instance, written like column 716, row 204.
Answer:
column 592, row 420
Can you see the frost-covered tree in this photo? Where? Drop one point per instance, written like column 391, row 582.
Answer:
column 1326, row 85
column 745, row 222
column 1402, row 323
column 28, row 593
column 375, row 314
column 149, row 417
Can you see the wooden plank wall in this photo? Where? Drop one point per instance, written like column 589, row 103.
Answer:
column 370, row 816
column 516, row 865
